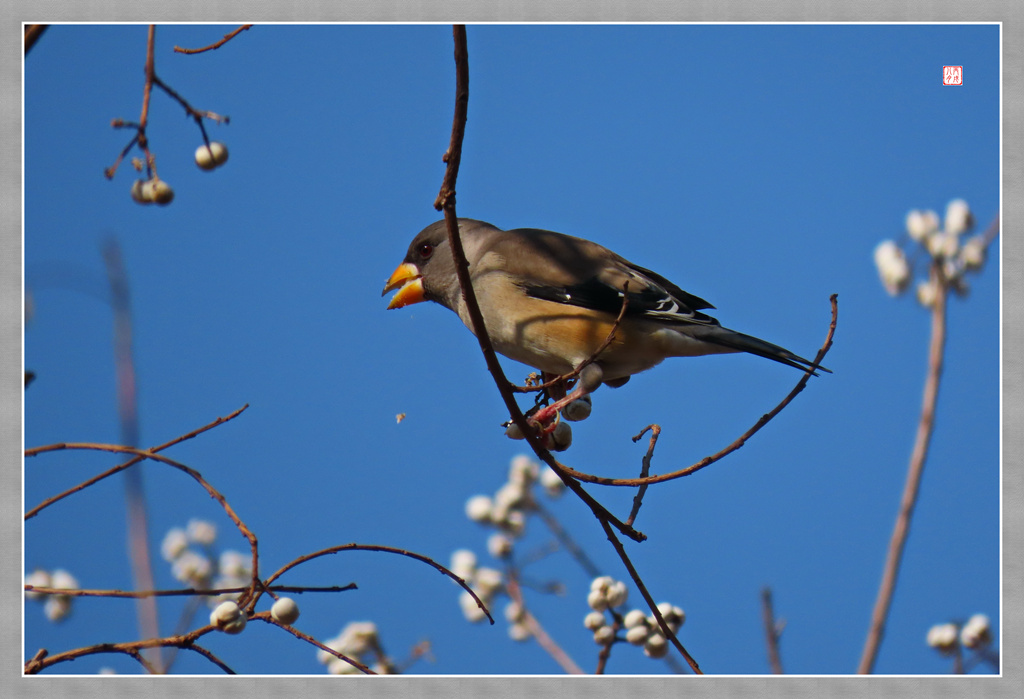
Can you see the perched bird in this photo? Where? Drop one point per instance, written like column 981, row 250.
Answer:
column 549, row 300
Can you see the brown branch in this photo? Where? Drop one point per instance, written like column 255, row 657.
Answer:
column 739, row 442
column 197, row 114
column 209, row 656
column 915, row 470
column 214, row 493
column 147, row 91
column 131, row 462
column 186, row 592
column 41, row 661
column 267, row 618
column 152, row 79
column 214, row 46
column 644, row 470
column 771, row 630
column 373, row 547
column 140, row 138
column 606, row 648
column 453, row 156
column 446, row 201
column 665, row 630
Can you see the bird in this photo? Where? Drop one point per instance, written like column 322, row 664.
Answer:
column 550, row 300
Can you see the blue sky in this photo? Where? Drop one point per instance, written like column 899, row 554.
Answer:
column 755, row 166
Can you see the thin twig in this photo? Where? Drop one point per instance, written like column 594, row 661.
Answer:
column 645, row 469
column 374, row 547
column 739, row 442
column 915, row 470
column 185, row 592
column 771, row 630
column 606, row 648
column 216, row 494
column 38, row 664
column 214, row 46
column 266, row 617
column 564, row 378
column 209, row 656
column 131, row 462
column 665, row 630
column 446, row 201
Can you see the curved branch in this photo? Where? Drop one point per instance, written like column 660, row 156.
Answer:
column 216, row 45
column 131, row 462
column 41, row 660
column 214, row 493
column 739, row 442
column 375, row 547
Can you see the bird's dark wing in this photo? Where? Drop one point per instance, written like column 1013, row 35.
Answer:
column 650, row 295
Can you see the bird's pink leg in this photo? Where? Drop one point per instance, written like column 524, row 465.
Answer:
column 590, row 379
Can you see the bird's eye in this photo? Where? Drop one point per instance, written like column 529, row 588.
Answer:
column 425, row 250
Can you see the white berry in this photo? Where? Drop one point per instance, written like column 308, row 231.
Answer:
column 158, row 191
column 228, row 617
column 578, row 410
column 140, row 193
column 285, row 610
column 209, row 158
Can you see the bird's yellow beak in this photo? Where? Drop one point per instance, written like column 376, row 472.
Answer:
column 407, row 276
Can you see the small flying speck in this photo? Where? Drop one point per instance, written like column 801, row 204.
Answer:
column 399, row 418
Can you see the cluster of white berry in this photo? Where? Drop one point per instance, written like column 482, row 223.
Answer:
column 156, row 191
column 152, row 191
column 189, row 550
column 230, row 618
column 56, row 607
column 506, row 512
column 512, row 503
column 607, row 594
column 358, row 640
column 946, row 246
column 975, row 634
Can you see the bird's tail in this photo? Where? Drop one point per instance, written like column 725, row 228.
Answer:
column 738, row 342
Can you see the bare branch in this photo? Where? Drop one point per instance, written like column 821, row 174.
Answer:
column 665, row 630
column 267, row 618
column 120, row 449
column 41, row 661
column 85, row 484
column 214, row 46
column 739, row 442
column 373, row 547
column 185, row 592
column 644, row 470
